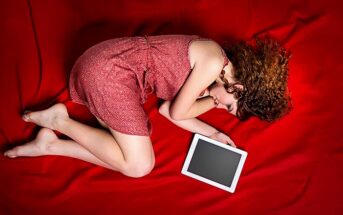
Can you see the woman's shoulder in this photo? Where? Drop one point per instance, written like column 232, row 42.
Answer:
column 204, row 49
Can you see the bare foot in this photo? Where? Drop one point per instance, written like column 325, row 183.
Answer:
column 47, row 117
column 37, row 147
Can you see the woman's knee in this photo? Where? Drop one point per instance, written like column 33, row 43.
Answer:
column 139, row 158
column 137, row 169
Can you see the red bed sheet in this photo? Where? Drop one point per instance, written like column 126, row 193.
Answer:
column 294, row 166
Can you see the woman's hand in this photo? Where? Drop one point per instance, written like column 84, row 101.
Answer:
column 218, row 104
column 223, row 138
column 216, row 101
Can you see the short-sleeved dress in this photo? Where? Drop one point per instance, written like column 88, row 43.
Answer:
column 113, row 78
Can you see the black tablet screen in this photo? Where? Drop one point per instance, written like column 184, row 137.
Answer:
column 214, row 163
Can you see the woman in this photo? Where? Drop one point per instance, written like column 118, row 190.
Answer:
column 192, row 74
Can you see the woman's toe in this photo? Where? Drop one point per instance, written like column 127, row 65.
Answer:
column 26, row 115
column 10, row 153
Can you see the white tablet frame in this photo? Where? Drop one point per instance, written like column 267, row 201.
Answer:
column 215, row 142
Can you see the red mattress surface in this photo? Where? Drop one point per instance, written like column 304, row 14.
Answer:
column 294, row 166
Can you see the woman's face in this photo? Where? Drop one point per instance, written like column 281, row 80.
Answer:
column 218, row 91
column 225, row 99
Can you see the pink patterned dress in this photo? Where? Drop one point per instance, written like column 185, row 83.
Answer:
column 113, row 78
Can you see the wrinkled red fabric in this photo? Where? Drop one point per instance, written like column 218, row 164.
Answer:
column 294, row 166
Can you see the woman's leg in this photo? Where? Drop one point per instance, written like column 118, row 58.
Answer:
column 47, row 143
column 130, row 154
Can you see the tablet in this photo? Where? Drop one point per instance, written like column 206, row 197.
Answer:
column 214, row 163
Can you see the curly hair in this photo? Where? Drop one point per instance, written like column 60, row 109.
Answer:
column 262, row 69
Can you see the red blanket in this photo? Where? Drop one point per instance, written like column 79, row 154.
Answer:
column 294, row 166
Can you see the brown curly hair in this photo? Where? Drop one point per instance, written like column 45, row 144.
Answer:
column 262, row 69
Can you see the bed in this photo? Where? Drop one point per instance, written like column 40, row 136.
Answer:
column 294, row 166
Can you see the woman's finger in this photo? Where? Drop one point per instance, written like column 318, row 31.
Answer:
column 229, row 141
column 216, row 102
column 233, row 145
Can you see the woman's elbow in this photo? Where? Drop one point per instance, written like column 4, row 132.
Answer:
column 175, row 113
column 164, row 111
column 176, row 116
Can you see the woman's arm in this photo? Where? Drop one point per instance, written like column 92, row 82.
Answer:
column 193, row 125
column 185, row 104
